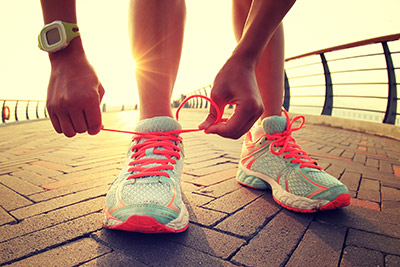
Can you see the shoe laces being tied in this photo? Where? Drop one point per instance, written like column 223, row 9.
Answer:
column 164, row 146
column 287, row 144
column 161, row 143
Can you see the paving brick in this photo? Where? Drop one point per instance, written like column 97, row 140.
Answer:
column 156, row 250
column 370, row 195
column 273, row 245
column 213, row 169
column 389, row 193
column 33, row 178
column 191, row 159
column 50, row 219
column 365, row 204
column 373, row 241
column 79, row 179
column 5, row 217
column 67, row 255
column 369, row 190
column 205, row 164
column 209, row 241
column 250, row 219
column 234, row 201
column 392, row 261
column 391, row 206
column 214, row 178
column 72, row 189
column 346, row 154
column 88, row 172
column 369, row 184
column 204, row 216
column 114, row 259
column 41, row 170
column 57, row 203
column 396, row 170
column 51, row 165
column 336, row 170
column 372, row 162
column 320, row 246
column 351, row 180
column 19, row 185
column 359, row 158
column 37, row 241
column 192, row 199
column 10, row 200
column 364, row 219
column 355, row 257
column 385, row 166
column 220, row 189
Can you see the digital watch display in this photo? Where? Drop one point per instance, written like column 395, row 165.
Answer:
column 57, row 35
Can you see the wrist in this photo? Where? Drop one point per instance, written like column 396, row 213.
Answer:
column 73, row 51
column 246, row 58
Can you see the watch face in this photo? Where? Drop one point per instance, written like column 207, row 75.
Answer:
column 53, row 36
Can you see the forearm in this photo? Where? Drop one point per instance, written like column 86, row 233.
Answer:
column 64, row 10
column 264, row 17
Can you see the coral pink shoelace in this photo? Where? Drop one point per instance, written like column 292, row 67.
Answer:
column 162, row 143
column 166, row 144
column 288, row 144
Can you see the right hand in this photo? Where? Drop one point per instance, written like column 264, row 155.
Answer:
column 73, row 97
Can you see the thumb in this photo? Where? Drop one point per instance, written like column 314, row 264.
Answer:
column 215, row 114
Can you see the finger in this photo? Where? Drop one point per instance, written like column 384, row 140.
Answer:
column 55, row 122
column 79, row 121
column 93, row 119
column 237, row 125
column 66, row 125
column 101, row 92
column 214, row 114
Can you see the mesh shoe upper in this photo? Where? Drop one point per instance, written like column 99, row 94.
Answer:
column 275, row 155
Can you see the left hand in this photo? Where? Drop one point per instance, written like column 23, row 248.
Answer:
column 234, row 84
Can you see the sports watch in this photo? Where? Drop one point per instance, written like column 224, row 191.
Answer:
column 57, row 35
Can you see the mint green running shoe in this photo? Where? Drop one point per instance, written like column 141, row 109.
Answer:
column 146, row 196
column 275, row 161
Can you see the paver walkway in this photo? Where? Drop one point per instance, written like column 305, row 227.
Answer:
column 52, row 191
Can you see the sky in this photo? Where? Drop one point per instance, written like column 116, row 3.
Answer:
column 310, row 25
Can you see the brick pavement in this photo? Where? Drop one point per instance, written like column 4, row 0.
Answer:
column 52, row 190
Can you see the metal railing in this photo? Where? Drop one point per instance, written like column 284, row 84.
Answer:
column 21, row 110
column 356, row 80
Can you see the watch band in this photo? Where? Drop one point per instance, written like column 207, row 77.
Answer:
column 72, row 30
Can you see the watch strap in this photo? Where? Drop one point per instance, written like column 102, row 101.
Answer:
column 72, row 30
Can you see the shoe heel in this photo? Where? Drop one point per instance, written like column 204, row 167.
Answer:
column 250, row 181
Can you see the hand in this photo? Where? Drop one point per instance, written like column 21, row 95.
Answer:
column 74, row 96
column 234, row 84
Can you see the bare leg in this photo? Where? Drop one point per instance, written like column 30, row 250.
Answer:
column 156, row 30
column 270, row 68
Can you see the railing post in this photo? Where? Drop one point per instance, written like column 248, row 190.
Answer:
column 286, row 100
column 327, row 110
column 27, row 111
column 37, row 110
column 2, row 112
column 205, row 93
column 391, row 108
column 15, row 111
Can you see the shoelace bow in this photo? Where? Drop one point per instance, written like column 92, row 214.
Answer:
column 288, row 145
column 162, row 143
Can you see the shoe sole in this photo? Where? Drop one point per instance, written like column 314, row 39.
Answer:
column 147, row 224
column 291, row 201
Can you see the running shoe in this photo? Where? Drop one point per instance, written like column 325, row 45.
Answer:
column 146, row 196
column 274, row 160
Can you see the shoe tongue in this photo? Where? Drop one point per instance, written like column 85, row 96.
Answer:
column 157, row 124
column 274, row 124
